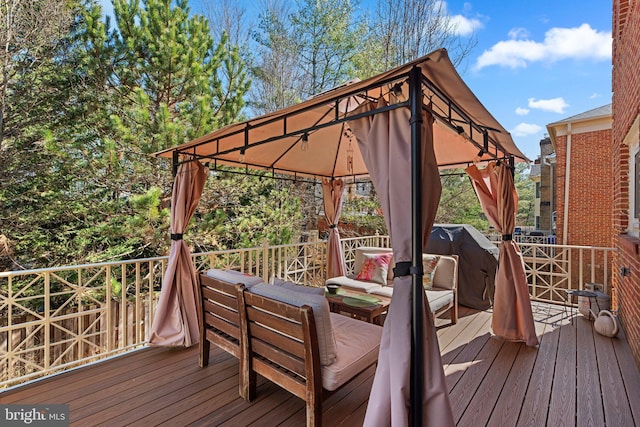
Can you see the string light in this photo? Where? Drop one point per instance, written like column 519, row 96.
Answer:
column 241, row 158
column 305, row 142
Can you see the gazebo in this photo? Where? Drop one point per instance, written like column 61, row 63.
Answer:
column 398, row 128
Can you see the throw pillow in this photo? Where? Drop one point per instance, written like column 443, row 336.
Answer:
column 429, row 264
column 297, row 288
column 375, row 268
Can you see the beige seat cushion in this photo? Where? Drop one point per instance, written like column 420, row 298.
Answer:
column 233, row 276
column 321, row 315
column 353, row 283
column 437, row 297
column 357, row 344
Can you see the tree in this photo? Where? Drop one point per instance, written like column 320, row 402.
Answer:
column 29, row 32
column 400, row 32
column 526, row 195
column 82, row 186
column 303, row 52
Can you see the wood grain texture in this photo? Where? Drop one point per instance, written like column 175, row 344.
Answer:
column 493, row 383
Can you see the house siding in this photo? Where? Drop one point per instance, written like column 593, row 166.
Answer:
column 626, row 108
column 590, row 181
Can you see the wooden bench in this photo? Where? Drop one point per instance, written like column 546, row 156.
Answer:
column 281, row 344
column 220, row 323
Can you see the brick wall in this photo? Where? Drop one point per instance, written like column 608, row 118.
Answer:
column 590, row 181
column 626, row 107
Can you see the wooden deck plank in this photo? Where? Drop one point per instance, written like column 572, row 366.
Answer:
column 486, row 396
column 562, row 407
column 464, row 354
column 630, row 376
column 617, row 411
column 160, row 393
column 535, row 406
column 511, row 397
column 489, row 383
column 474, row 373
column 589, row 410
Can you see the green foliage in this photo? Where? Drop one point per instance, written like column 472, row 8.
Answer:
column 526, row 189
column 239, row 211
column 78, row 181
column 458, row 201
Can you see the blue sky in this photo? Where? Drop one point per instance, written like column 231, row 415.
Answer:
column 536, row 62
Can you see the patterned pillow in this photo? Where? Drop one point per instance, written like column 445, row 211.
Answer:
column 429, row 264
column 375, row 268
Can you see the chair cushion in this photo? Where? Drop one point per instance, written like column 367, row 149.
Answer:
column 233, row 276
column 429, row 264
column 353, row 283
column 321, row 315
column 357, row 344
column 375, row 268
column 439, row 298
column 359, row 259
column 445, row 276
column 297, row 288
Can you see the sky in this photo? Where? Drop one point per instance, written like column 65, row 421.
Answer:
column 536, row 62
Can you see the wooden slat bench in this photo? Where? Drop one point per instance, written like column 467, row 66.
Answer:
column 220, row 323
column 282, row 344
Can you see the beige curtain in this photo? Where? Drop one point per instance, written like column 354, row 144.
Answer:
column 332, row 191
column 385, row 143
column 176, row 320
column 512, row 317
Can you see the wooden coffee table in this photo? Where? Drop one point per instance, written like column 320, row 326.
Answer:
column 359, row 304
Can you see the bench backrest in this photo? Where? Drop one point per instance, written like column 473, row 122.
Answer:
column 219, row 315
column 281, row 344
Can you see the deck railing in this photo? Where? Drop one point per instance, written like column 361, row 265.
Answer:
column 57, row 318
column 53, row 319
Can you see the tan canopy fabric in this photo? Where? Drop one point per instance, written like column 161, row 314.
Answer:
column 512, row 317
column 385, row 143
column 273, row 142
column 332, row 191
column 176, row 319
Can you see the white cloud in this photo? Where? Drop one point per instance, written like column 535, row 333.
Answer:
column 459, row 25
column 463, row 26
column 526, row 129
column 554, row 105
column 518, row 33
column 594, row 96
column 581, row 42
column 522, row 111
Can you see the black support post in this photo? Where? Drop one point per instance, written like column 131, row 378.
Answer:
column 417, row 340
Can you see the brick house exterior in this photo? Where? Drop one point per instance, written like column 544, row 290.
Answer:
column 626, row 167
column 583, row 189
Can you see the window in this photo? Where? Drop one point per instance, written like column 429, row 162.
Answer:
column 537, row 190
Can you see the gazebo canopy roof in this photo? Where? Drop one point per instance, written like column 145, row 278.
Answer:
column 312, row 139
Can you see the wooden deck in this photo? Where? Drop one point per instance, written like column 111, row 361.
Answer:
column 575, row 378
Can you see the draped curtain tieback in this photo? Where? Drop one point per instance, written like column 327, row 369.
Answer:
column 177, row 236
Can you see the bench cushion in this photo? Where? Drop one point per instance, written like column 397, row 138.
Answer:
column 297, row 288
column 437, row 297
column 353, row 283
column 357, row 344
column 233, row 276
column 321, row 315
